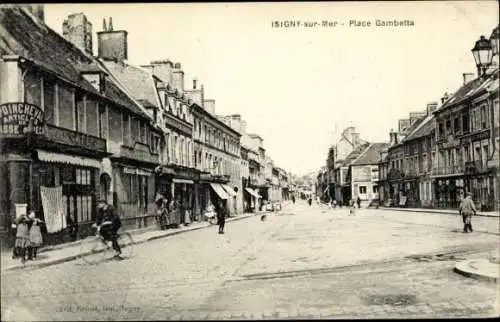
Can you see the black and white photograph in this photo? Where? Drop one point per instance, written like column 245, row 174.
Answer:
column 249, row 161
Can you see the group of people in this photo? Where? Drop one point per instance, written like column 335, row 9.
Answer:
column 28, row 236
column 166, row 211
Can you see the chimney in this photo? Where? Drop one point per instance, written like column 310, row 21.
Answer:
column 393, row 137
column 403, row 124
column 178, row 78
column 163, row 69
column 355, row 139
column 209, row 106
column 444, row 98
column 431, row 107
column 37, row 10
column 194, row 83
column 243, row 127
column 78, row 30
column 468, row 77
column 111, row 44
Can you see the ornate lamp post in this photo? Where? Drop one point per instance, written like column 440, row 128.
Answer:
column 482, row 52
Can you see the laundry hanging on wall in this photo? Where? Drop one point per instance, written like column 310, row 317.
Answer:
column 53, row 208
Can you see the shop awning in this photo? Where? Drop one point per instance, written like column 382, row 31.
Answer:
column 67, row 159
column 253, row 193
column 230, row 191
column 219, row 190
column 182, row 181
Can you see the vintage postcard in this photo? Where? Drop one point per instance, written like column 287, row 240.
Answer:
column 256, row 160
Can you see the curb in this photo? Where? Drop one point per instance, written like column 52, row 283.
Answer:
column 467, row 273
column 76, row 256
column 430, row 210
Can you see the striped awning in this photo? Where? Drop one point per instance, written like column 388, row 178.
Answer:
column 230, row 191
column 67, row 159
column 253, row 193
column 219, row 191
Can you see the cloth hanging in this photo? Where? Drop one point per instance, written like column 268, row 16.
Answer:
column 53, row 208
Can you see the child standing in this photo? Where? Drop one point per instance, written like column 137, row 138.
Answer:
column 35, row 235
column 22, row 236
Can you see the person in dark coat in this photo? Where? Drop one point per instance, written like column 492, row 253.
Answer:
column 467, row 208
column 221, row 216
column 358, row 201
column 108, row 223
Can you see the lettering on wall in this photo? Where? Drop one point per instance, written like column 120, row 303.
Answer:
column 21, row 118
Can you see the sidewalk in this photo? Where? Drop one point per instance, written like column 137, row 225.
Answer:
column 480, row 268
column 441, row 211
column 53, row 255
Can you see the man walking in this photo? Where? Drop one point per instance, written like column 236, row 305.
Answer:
column 221, row 216
column 467, row 209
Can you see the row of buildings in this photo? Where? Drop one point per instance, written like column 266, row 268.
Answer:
column 95, row 127
column 436, row 155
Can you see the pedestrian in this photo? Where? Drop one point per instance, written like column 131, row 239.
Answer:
column 35, row 234
column 352, row 208
column 334, row 204
column 358, row 200
column 293, row 199
column 221, row 217
column 467, row 209
column 22, row 236
column 309, row 201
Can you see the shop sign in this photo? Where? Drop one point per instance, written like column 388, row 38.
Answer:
column 21, row 118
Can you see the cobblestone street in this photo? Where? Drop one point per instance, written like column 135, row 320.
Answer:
column 302, row 262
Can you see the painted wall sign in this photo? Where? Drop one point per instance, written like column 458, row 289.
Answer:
column 21, row 118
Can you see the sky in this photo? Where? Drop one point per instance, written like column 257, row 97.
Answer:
column 298, row 87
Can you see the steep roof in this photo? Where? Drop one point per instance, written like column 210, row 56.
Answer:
column 370, row 155
column 23, row 35
column 354, row 154
column 470, row 89
column 139, row 82
column 425, row 128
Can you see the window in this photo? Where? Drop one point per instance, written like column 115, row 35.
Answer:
column 79, row 113
column 362, row 190
column 49, row 102
column 127, row 138
column 465, row 123
column 484, row 117
column 485, row 154
column 375, row 189
column 440, row 130
column 456, row 125
column 103, row 121
column 66, row 110
column 466, row 153
column 477, row 156
column 33, row 89
column 448, row 127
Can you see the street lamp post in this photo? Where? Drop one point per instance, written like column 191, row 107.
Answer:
column 482, row 52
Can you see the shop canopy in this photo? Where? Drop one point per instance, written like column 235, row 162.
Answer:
column 67, row 159
column 253, row 193
column 219, row 191
column 182, row 181
column 230, row 191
